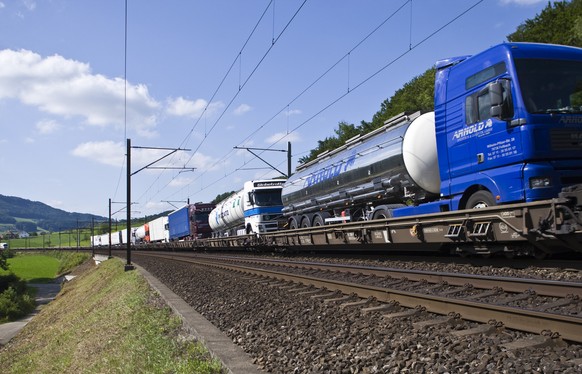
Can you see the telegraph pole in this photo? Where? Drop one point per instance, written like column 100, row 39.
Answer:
column 128, row 265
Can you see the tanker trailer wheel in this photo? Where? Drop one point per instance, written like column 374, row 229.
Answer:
column 481, row 199
column 319, row 219
column 305, row 221
column 293, row 223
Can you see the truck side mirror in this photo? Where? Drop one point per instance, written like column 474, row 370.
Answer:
column 496, row 100
column 251, row 198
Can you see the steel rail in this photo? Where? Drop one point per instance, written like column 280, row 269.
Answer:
column 539, row 286
column 568, row 327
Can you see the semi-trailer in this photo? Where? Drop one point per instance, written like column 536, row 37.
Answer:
column 190, row 222
column 507, row 128
column 256, row 209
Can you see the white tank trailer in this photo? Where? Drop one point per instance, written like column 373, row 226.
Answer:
column 368, row 176
column 254, row 209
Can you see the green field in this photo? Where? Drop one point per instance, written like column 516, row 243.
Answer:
column 33, row 268
column 45, row 267
column 66, row 239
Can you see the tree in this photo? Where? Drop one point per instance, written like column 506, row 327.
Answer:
column 4, row 259
column 345, row 131
column 418, row 94
column 221, row 197
column 558, row 23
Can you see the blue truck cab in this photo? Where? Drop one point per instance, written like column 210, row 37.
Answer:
column 508, row 125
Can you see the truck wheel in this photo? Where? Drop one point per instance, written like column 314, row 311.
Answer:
column 382, row 212
column 293, row 223
column 305, row 222
column 319, row 219
column 481, row 199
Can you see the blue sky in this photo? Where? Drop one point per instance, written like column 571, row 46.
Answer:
column 66, row 112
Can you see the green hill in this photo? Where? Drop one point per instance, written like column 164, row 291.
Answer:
column 17, row 214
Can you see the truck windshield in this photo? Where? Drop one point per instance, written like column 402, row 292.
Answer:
column 201, row 217
column 550, row 86
column 268, row 197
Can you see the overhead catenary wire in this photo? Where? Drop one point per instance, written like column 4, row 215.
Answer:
column 312, row 84
column 343, row 95
column 238, row 58
column 241, row 85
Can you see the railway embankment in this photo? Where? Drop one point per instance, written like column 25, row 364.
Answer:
column 106, row 320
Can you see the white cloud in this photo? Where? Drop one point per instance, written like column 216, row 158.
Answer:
column 293, row 112
column 281, row 136
column 47, row 126
column 187, row 108
column 242, row 109
column 2, row 5
column 107, row 152
column 67, row 88
column 203, row 163
column 29, row 4
column 113, row 153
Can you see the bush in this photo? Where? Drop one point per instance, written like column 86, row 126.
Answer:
column 69, row 260
column 16, row 300
column 11, row 280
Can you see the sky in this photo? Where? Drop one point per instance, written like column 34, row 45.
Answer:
column 78, row 78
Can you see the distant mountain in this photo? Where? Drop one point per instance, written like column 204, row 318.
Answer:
column 31, row 216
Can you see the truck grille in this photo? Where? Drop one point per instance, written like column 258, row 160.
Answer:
column 566, row 140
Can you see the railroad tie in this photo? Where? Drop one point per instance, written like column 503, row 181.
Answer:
column 381, row 308
column 557, row 303
column 341, row 298
column 535, row 342
column 299, row 289
column 277, row 284
column 447, row 320
column 493, row 292
column 312, row 292
column 484, row 329
column 325, row 295
column 406, row 313
column 289, row 286
column 355, row 303
column 519, row 297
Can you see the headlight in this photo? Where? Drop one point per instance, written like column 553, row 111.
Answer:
column 540, row 182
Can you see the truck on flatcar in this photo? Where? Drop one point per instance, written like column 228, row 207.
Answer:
column 507, row 128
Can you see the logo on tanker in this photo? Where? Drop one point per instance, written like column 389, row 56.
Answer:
column 478, row 129
column 330, row 172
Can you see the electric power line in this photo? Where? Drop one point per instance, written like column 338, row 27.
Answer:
column 361, row 83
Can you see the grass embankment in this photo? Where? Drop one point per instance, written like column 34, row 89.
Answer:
column 106, row 320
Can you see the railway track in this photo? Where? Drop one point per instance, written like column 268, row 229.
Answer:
column 550, row 309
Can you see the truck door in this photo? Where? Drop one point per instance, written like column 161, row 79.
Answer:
column 497, row 144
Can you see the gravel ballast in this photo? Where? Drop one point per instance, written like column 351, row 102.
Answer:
column 289, row 333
